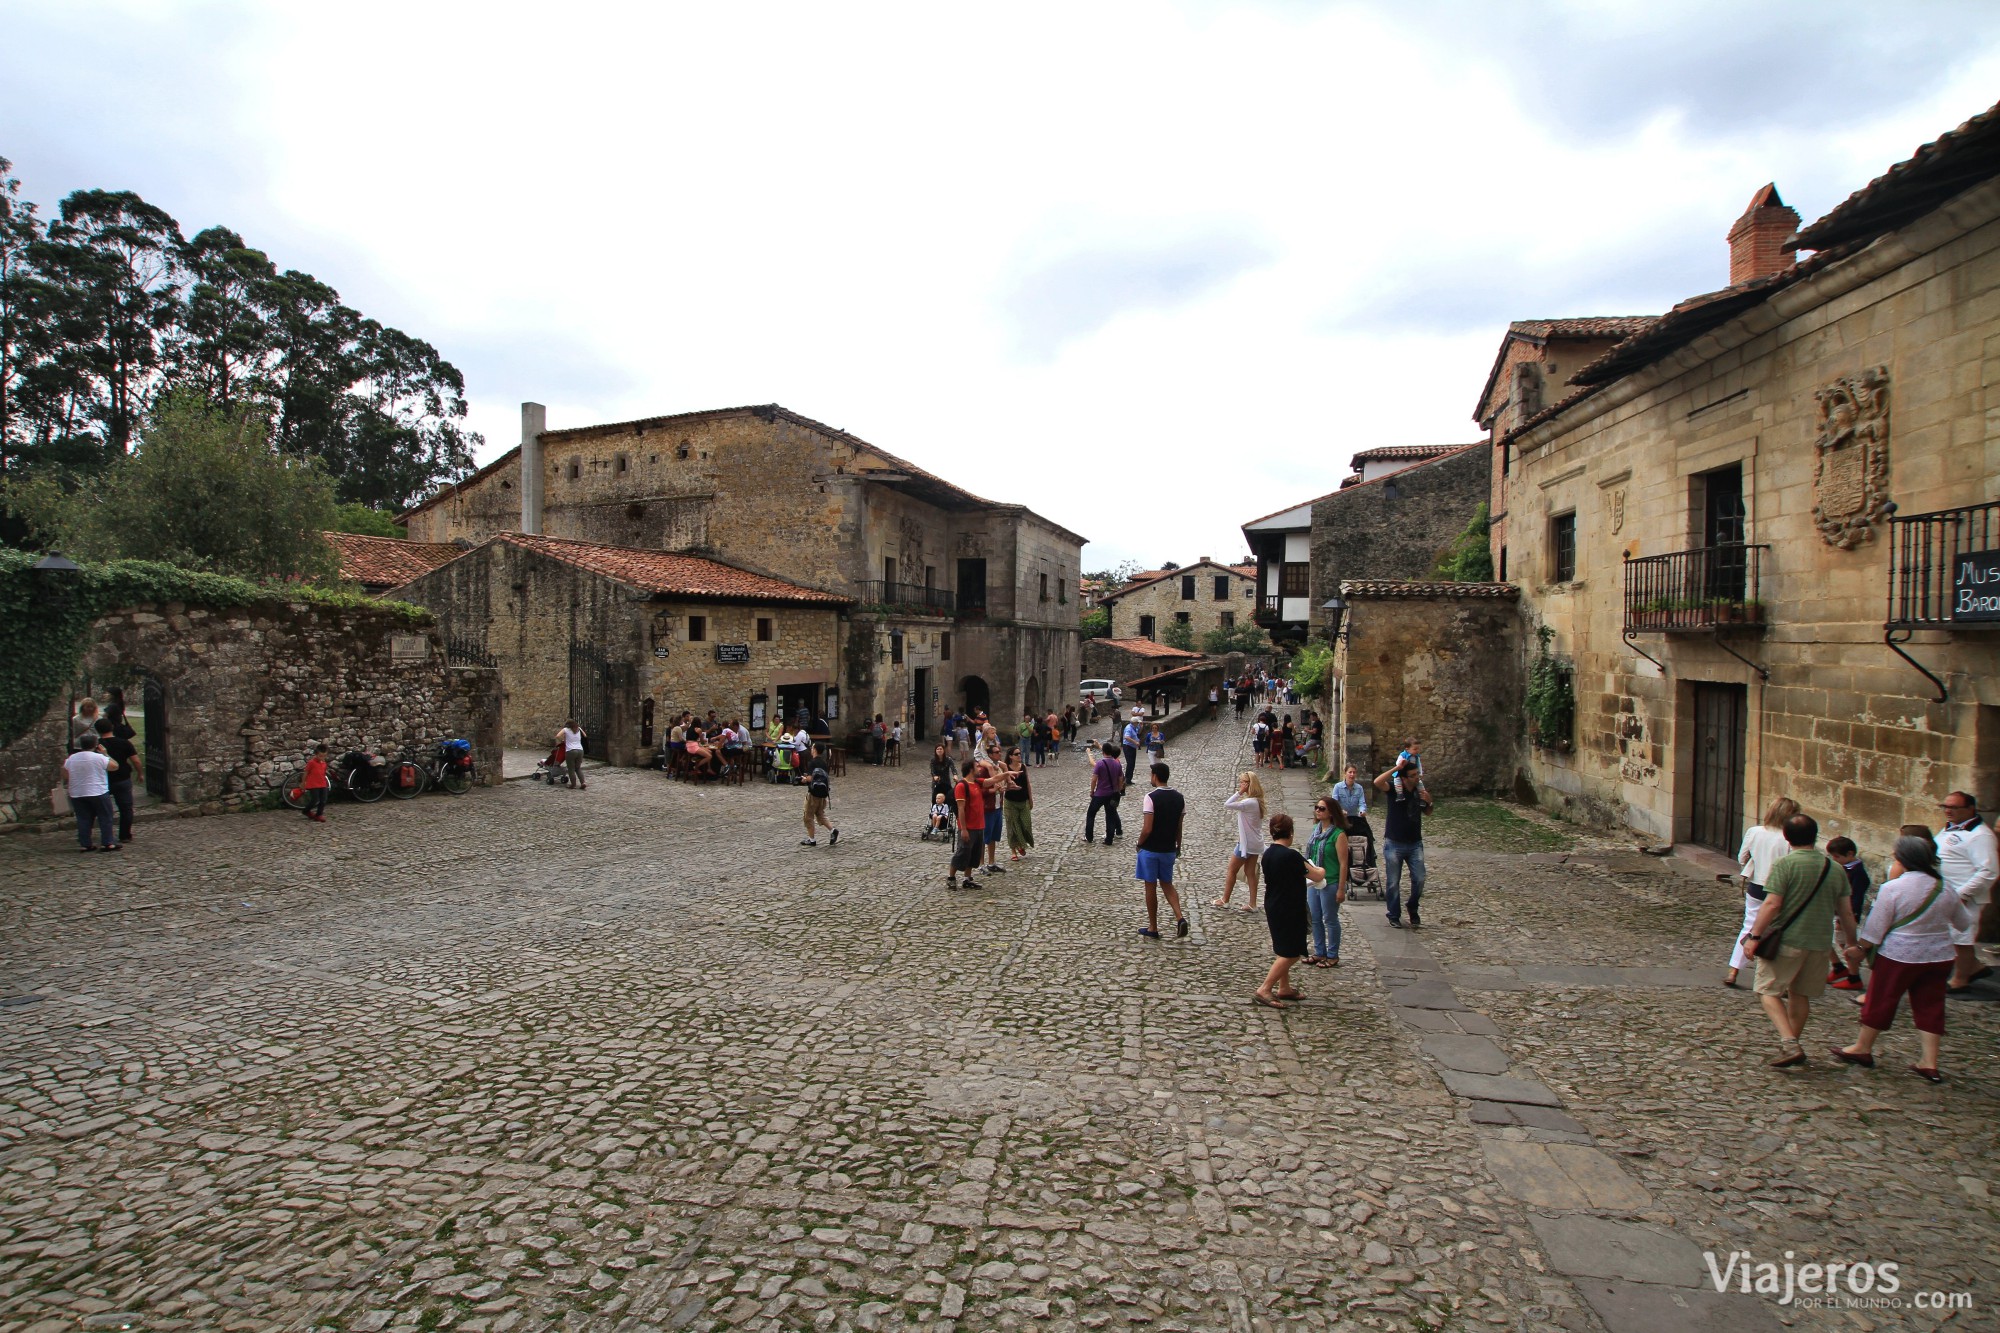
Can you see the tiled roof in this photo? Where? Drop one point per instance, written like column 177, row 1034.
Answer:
column 1949, row 165
column 386, row 562
column 1391, row 452
column 1541, row 330
column 666, row 574
column 1418, row 588
column 1147, row 648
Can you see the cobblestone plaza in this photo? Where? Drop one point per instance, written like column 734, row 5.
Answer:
column 631, row 1059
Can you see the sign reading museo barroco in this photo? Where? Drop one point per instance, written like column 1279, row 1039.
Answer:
column 1975, row 585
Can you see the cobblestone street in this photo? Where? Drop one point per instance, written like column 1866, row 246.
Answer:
column 631, row 1059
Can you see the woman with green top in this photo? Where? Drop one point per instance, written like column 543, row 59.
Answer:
column 1327, row 849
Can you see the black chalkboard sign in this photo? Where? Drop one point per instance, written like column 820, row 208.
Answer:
column 1975, row 586
column 732, row 652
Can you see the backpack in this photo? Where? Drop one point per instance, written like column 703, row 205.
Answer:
column 819, row 787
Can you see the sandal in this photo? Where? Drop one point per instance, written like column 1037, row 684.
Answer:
column 1928, row 1075
column 1290, row 995
column 1258, row 997
column 1218, row 902
column 1847, row 1057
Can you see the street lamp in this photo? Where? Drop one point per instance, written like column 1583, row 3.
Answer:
column 1335, row 609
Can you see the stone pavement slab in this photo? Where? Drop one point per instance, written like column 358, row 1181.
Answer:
column 1562, row 1175
column 1499, row 1088
column 1586, row 1246
column 1631, row 1307
column 1476, row 1055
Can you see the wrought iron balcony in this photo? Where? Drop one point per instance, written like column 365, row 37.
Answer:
column 1708, row 588
column 1942, row 567
column 905, row 597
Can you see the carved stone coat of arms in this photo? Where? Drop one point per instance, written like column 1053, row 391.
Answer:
column 1851, row 478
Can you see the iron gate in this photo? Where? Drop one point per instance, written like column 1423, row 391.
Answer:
column 1718, row 766
column 590, row 695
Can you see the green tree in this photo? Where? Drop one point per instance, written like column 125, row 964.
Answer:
column 1470, row 557
column 204, row 490
column 1249, row 639
column 1178, row 634
column 364, row 519
column 1097, row 623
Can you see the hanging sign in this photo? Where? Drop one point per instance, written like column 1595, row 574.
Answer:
column 1975, row 586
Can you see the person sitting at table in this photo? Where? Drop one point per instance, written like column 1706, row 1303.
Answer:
column 703, row 762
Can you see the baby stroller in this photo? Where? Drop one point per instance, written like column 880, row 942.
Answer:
column 1364, row 876
column 948, row 830
column 551, row 769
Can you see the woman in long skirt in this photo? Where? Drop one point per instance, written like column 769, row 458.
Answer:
column 1019, row 806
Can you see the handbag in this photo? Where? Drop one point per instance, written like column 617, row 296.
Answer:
column 1768, row 946
column 1868, row 955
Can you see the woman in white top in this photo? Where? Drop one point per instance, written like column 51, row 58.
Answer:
column 1248, row 804
column 1763, row 847
column 571, row 737
column 1910, row 931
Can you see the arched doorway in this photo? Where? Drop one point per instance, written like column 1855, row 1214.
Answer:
column 978, row 698
column 1031, row 696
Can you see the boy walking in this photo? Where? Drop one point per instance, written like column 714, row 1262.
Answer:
column 819, row 787
column 1159, row 846
column 1848, row 857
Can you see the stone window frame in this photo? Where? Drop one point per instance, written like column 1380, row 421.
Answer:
column 1188, row 587
column 1221, row 587
column 1183, row 617
column 621, row 463
column 1148, row 627
column 1044, row 578
column 1562, row 547
column 697, row 629
column 764, row 629
column 1228, row 619
column 944, row 645
column 1062, row 592
column 576, row 469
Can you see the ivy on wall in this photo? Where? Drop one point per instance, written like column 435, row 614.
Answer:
column 45, row 619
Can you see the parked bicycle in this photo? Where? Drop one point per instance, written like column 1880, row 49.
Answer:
column 362, row 775
column 446, row 765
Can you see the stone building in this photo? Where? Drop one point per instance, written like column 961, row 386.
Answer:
column 1125, row 660
column 1536, row 364
column 1756, row 527
column 1396, row 525
column 952, row 599
column 622, row 639
column 1204, row 596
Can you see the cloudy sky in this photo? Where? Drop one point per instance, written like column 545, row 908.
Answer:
column 1153, row 268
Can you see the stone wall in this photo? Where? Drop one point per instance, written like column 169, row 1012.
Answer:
column 1397, row 527
column 1439, row 661
column 247, row 690
column 1105, row 659
column 1842, row 725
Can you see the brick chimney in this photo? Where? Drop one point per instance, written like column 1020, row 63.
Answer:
column 1757, row 246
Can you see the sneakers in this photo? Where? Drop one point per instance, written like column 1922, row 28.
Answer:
column 808, row 842
column 833, row 838
column 1149, row 934
column 1416, row 922
column 1845, row 983
column 1181, row 929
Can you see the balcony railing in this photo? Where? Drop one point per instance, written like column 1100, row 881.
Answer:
column 1711, row 587
column 1942, row 567
column 906, row 597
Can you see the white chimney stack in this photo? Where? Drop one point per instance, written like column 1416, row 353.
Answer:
column 534, row 420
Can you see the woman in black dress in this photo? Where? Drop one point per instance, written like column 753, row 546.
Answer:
column 1286, row 874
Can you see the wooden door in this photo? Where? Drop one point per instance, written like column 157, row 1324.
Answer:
column 1719, row 712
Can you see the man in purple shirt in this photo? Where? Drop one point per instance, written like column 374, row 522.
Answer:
column 1107, row 784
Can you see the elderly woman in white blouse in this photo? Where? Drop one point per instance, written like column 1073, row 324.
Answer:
column 1763, row 847
column 1910, row 933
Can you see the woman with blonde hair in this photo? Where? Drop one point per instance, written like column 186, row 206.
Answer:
column 1763, row 847
column 1248, row 805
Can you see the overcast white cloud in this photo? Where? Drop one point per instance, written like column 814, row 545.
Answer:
column 1153, row 269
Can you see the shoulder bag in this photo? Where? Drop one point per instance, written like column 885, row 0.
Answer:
column 1768, row 946
column 1868, row 955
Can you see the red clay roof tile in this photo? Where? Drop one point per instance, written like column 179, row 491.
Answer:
column 666, row 574
column 386, row 562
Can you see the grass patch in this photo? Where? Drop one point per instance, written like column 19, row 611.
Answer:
column 1490, row 826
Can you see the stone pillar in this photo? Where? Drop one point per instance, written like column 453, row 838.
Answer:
column 534, row 420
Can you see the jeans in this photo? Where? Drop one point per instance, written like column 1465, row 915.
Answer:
column 121, row 797
column 1131, row 763
column 316, row 800
column 1114, row 827
column 96, row 810
column 1325, row 914
column 1395, row 855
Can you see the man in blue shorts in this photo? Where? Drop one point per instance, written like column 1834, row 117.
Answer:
column 1159, row 844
